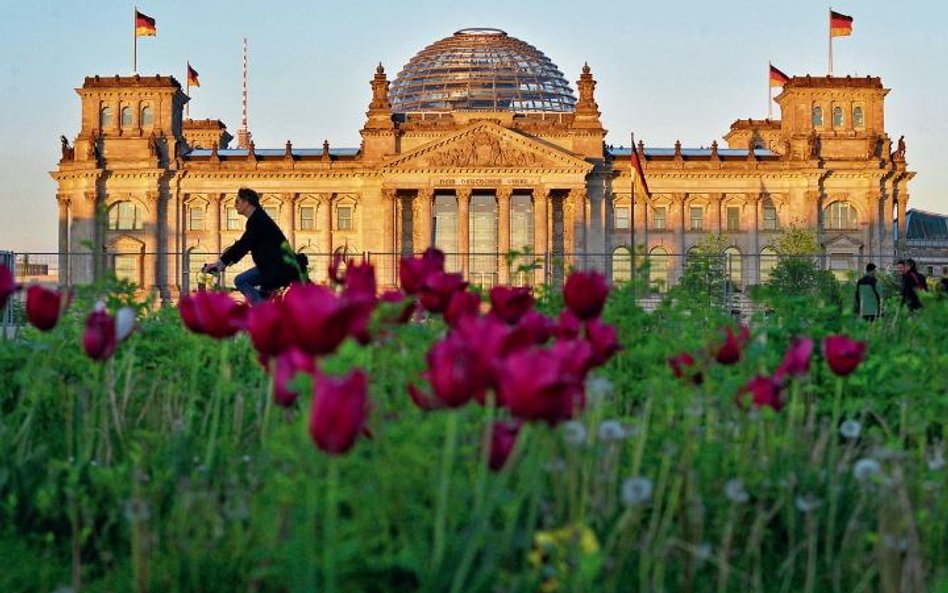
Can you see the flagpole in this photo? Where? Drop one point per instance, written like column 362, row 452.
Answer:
column 187, row 84
column 632, row 276
column 770, row 93
column 134, row 40
column 829, row 29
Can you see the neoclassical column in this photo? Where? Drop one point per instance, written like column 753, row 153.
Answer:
column 503, row 233
column 422, row 238
column 714, row 213
column 214, row 211
column 541, row 200
column 390, row 255
column 680, row 229
column 324, row 228
column 755, row 241
column 65, row 246
column 579, row 201
column 155, row 253
column 288, row 217
column 464, row 229
column 903, row 206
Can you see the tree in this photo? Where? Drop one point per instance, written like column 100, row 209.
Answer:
column 704, row 280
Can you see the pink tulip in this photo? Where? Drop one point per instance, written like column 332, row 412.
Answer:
column 604, row 341
column 438, row 289
column 414, row 272
column 684, row 366
column 339, row 411
column 319, row 320
column 503, row 438
column 843, row 354
column 7, row 285
column 99, row 339
column 585, row 294
column 43, row 307
column 268, row 328
column 796, row 361
column 286, row 367
column 463, row 304
column 533, row 385
column 215, row 314
column 510, row 304
column 762, row 391
column 730, row 352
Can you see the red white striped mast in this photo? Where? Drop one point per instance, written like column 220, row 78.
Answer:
column 243, row 134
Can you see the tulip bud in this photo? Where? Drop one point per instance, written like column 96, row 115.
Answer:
column 339, row 411
column 585, row 294
column 43, row 307
column 843, row 354
column 98, row 340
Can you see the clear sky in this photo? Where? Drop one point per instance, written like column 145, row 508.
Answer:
column 666, row 70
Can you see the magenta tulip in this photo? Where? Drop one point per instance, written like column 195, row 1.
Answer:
column 286, row 367
column 99, row 338
column 319, row 320
column 510, row 304
column 339, row 411
column 604, row 340
column 796, row 361
column 684, row 366
column 730, row 352
column 503, row 438
column 843, row 354
column 7, row 285
column 438, row 289
column 268, row 328
column 585, row 294
column 43, row 307
column 761, row 391
column 463, row 304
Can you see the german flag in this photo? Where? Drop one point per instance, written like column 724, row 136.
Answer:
column 144, row 25
column 777, row 78
column 637, row 169
column 193, row 77
column 840, row 24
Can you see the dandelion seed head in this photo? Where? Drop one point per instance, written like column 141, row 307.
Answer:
column 866, row 468
column 935, row 458
column 636, row 491
column 136, row 510
column 612, row 430
column 574, row 433
column 735, row 492
column 598, row 389
column 806, row 503
column 850, row 429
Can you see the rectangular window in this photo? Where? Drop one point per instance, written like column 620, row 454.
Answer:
column 697, row 218
column 622, row 218
column 770, row 218
column 733, row 218
column 273, row 212
column 126, row 268
column 125, row 216
column 233, row 219
column 658, row 218
column 344, row 218
column 307, row 218
column 196, row 218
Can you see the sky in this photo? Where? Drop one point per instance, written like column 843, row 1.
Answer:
column 668, row 71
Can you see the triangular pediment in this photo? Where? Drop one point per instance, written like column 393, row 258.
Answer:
column 488, row 146
column 840, row 242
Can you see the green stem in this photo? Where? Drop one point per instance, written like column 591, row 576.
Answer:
column 216, row 404
column 444, row 483
column 833, row 474
column 332, row 512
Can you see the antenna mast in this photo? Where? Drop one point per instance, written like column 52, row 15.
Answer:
column 243, row 134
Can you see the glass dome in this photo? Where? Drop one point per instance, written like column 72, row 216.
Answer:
column 480, row 69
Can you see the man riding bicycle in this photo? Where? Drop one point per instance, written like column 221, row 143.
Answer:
column 264, row 240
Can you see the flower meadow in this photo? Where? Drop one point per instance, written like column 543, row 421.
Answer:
column 447, row 439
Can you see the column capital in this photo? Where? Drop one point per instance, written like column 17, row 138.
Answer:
column 503, row 193
column 463, row 193
column 388, row 194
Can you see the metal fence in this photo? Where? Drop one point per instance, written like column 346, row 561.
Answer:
column 177, row 273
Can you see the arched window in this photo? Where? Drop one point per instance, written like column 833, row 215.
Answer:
column 126, row 117
column 840, row 216
column 768, row 259
column 621, row 264
column 125, row 216
column 105, row 117
column 837, row 117
column 658, row 269
column 817, row 116
column 734, row 264
column 857, row 117
column 148, row 117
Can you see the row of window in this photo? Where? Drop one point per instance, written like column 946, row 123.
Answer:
column 659, row 265
column 305, row 218
column 836, row 216
column 659, row 220
column 107, row 118
column 838, row 119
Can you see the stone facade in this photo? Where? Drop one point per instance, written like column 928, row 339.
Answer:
column 134, row 187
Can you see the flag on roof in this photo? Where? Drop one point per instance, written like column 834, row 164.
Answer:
column 637, row 169
column 193, row 77
column 144, row 25
column 841, row 25
column 777, row 78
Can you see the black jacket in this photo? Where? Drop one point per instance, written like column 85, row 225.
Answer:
column 264, row 240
